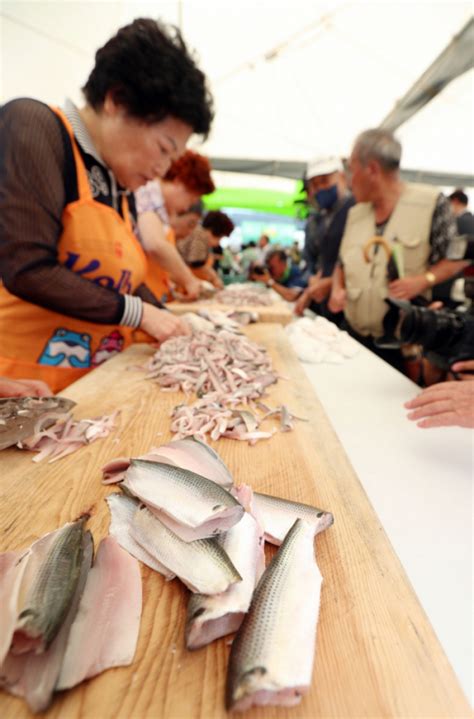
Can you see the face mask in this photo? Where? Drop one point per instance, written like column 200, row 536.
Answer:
column 326, row 198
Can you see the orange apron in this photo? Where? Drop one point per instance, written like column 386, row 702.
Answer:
column 200, row 272
column 157, row 279
column 99, row 245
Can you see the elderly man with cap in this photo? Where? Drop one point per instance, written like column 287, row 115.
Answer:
column 327, row 190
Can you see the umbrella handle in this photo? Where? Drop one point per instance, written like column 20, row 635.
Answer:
column 377, row 241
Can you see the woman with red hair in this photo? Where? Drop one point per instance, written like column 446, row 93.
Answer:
column 158, row 202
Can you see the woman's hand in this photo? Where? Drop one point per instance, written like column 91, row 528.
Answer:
column 192, row 288
column 23, row 388
column 162, row 324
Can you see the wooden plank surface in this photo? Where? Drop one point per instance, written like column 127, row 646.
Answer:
column 377, row 655
column 280, row 312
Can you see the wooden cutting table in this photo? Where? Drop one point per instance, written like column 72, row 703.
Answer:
column 277, row 312
column 377, row 655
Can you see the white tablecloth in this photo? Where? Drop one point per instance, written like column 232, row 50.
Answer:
column 419, row 482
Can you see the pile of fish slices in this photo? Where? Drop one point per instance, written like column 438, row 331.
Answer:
column 22, row 417
column 229, row 374
column 181, row 514
column 67, row 435
column 45, row 425
column 63, row 617
column 246, row 294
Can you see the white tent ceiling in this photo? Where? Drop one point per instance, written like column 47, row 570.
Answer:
column 291, row 78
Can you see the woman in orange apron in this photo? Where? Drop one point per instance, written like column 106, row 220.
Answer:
column 71, row 267
column 157, row 202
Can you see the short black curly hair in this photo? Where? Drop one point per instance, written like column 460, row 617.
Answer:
column 218, row 223
column 460, row 196
column 149, row 70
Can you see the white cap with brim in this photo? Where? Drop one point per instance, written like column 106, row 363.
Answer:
column 323, row 166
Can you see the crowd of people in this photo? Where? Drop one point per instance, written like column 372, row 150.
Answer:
column 108, row 224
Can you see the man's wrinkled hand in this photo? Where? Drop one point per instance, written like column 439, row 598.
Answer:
column 444, row 405
column 408, row 287
column 302, row 302
column 337, row 300
column 319, row 291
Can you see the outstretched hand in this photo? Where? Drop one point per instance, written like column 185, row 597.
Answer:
column 443, row 405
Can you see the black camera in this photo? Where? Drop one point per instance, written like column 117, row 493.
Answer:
column 257, row 270
column 446, row 336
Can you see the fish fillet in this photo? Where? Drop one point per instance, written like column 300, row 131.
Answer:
column 47, row 587
column 122, row 510
column 202, row 565
column 34, row 676
column 210, row 617
column 200, row 506
column 105, row 631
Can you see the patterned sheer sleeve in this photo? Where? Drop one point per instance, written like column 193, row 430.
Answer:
column 33, row 152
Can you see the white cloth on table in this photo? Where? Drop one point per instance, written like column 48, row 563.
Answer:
column 320, row 340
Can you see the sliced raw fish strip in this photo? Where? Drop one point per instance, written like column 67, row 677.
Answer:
column 34, row 676
column 188, row 499
column 203, row 566
column 210, row 617
column 271, row 659
column 122, row 510
column 278, row 516
column 105, row 631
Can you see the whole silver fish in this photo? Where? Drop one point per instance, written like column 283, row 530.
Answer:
column 19, row 416
column 48, row 585
column 202, row 565
column 196, row 506
column 278, row 516
column 271, row 660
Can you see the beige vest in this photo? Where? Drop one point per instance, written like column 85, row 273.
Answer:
column 366, row 282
